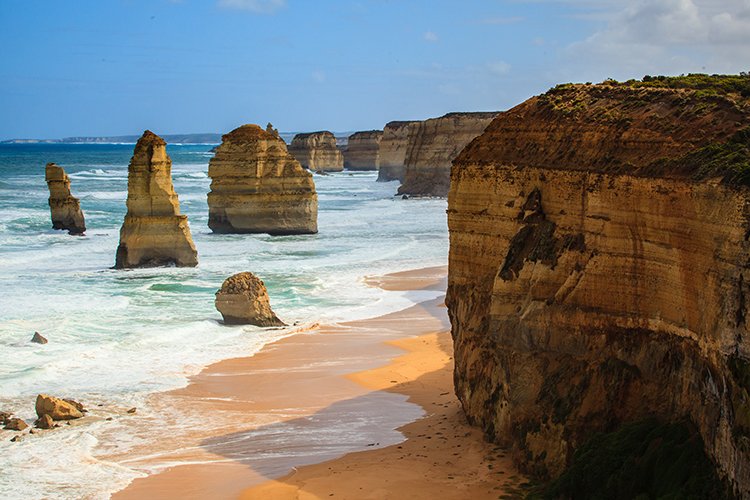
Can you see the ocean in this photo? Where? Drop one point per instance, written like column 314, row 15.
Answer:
column 117, row 336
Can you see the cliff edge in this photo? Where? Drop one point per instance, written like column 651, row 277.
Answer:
column 599, row 242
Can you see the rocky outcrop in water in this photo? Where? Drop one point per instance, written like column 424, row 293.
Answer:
column 153, row 233
column 58, row 409
column 258, row 187
column 38, row 338
column 432, row 146
column 598, row 253
column 393, row 145
column 243, row 300
column 363, row 150
column 317, row 151
column 65, row 208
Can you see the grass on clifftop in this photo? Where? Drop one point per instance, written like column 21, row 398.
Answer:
column 642, row 460
column 729, row 160
column 705, row 85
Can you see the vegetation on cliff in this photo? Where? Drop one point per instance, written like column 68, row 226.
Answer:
column 645, row 459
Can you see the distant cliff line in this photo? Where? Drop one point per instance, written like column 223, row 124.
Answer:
column 198, row 138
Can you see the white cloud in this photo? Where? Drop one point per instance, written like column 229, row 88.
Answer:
column 431, row 37
column 663, row 36
column 258, row 6
column 498, row 68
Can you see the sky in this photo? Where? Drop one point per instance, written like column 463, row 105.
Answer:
column 116, row 67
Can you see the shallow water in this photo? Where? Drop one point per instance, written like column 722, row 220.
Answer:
column 117, row 336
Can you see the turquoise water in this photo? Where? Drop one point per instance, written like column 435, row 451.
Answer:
column 117, row 336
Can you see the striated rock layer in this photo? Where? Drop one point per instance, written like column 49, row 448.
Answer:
column 154, row 233
column 393, row 147
column 258, row 187
column 597, row 275
column 363, row 150
column 432, row 146
column 317, row 151
column 64, row 208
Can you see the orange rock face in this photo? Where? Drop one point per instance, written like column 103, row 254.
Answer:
column 317, row 151
column 393, row 146
column 64, row 207
column 258, row 187
column 154, row 233
column 363, row 150
column 595, row 279
column 432, row 146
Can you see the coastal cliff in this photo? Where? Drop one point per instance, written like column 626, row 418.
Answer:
column 65, row 209
column 258, row 187
column 363, row 150
column 153, row 233
column 599, row 241
column 317, row 151
column 432, row 146
column 393, row 145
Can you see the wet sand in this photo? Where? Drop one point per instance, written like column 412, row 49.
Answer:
column 324, row 405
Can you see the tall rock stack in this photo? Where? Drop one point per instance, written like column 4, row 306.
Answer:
column 393, row 145
column 363, row 151
column 432, row 146
column 258, row 187
column 317, row 151
column 64, row 208
column 154, row 233
column 598, row 252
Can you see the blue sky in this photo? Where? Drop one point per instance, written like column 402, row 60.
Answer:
column 111, row 67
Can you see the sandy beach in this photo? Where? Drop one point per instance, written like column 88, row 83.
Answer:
column 363, row 409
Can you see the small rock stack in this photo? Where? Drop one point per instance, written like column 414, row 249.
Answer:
column 65, row 208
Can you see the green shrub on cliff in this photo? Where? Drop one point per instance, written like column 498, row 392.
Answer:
column 643, row 460
column 706, row 84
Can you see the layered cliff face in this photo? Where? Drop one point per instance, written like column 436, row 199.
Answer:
column 258, row 187
column 599, row 242
column 363, row 150
column 393, row 145
column 64, row 207
column 317, row 151
column 432, row 146
column 154, row 233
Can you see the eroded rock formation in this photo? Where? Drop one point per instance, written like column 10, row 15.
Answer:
column 599, row 241
column 153, row 233
column 58, row 409
column 363, row 150
column 258, row 187
column 65, row 208
column 432, row 146
column 317, row 151
column 243, row 300
column 393, row 147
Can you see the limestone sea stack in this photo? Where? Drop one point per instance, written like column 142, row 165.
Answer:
column 258, row 187
column 598, row 254
column 243, row 300
column 393, row 145
column 317, row 151
column 64, row 207
column 432, row 146
column 363, row 150
column 154, row 233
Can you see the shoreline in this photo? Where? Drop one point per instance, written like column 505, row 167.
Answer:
column 304, row 402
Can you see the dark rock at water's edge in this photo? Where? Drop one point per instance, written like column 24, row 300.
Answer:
column 57, row 408
column 38, row 338
column 64, row 208
column 597, row 271
column 15, row 424
column 44, row 422
column 243, row 300
column 153, row 233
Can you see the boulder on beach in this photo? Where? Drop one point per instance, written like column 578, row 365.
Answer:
column 4, row 416
column 38, row 338
column 154, row 232
column 57, row 408
column 44, row 422
column 243, row 300
column 64, row 207
column 15, row 424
